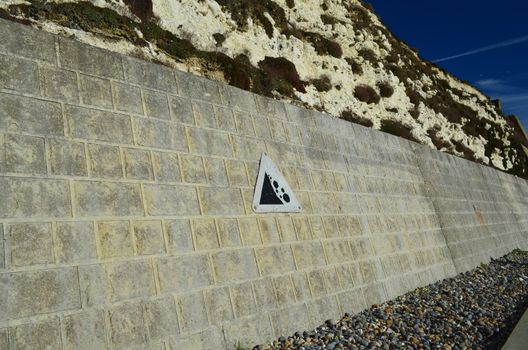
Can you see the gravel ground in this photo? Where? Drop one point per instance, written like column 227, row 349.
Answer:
column 474, row 310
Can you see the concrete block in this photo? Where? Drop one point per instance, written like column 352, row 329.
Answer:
column 179, row 236
column 286, row 228
column 240, row 99
column 4, row 338
column 127, row 327
column 161, row 318
column 244, row 124
column 248, row 148
column 264, row 294
column 215, row 171
column 284, row 290
column 150, row 75
column 316, row 224
column 234, row 265
column 2, row 247
column 269, row 230
column 130, row 279
column 138, row 165
column 337, row 251
column 247, row 198
column 224, row 119
column 104, row 161
column 193, row 169
column 275, row 260
column 26, row 197
column 332, row 282
column 330, row 227
column 190, row 85
column 59, row 84
column 181, row 110
column 94, row 285
column 228, row 233
column 293, row 318
column 85, row 331
column 19, row 75
column 248, row 331
column 210, row 338
column 38, row 335
column 58, row 290
column 114, row 239
column 24, row 154
column 218, row 303
column 67, row 158
column 99, row 125
column 213, row 91
column 27, row 42
column 352, row 301
column 24, row 114
column 156, row 104
column 221, row 201
column 354, row 227
column 148, row 237
column 236, row 172
column 29, row 244
column 96, row 91
column 93, row 198
column 192, row 311
column 243, row 300
column 171, row 200
column 262, row 129
column 369, row 271
column 208, row 142
column 317, row 283
column 278, row 131
column 166, row 167
column 249, row 231
column 160, row 134
column 302, row 226
column 185, row 272
column 324, row 308
column 89, row 59
column 308, row 255
column 346, row 280
column 205, row 236
column 204, row 116
column 270, row 107
column 75, row 242
column 301, row 286
column 127, row 98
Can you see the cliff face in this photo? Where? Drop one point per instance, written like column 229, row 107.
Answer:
column 332, row 55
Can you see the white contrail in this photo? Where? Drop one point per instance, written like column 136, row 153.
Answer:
column 486, row 48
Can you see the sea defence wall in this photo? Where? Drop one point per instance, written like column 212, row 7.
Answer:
column 126, row 219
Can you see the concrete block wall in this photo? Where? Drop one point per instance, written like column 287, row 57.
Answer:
column 126, row 220
column 483, row 212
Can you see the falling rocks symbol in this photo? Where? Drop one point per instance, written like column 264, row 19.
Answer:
column 272, row 192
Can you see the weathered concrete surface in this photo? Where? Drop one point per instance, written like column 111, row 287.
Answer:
column 519, row 337
column 126, row 220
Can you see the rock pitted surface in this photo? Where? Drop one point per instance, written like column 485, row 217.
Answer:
column 335, row 56
column 474, row 310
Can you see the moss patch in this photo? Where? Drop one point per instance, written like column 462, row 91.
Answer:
column 355, row 118
column 398, row 129
column 366, row 94
column 282, row 69
column 323, row 84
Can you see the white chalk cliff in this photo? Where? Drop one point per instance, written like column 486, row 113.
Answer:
column 335, row 56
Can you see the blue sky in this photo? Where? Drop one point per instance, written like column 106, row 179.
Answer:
column 492, row 36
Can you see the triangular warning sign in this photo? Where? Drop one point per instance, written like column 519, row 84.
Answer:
column 272, row 192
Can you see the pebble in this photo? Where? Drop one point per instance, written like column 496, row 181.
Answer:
column 474, row 310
